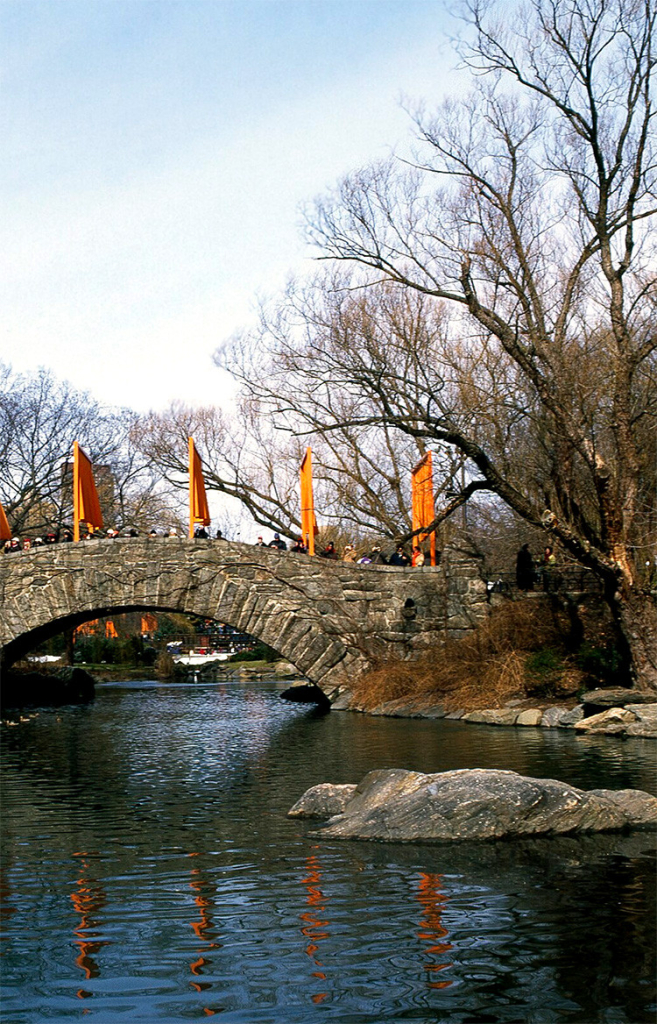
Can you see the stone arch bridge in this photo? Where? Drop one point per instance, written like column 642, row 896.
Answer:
column 329, row 619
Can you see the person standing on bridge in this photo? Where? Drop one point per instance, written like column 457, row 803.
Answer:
column 399, row 557
column 525, row 572
column 549, row 576
column 417, row 558
column 278, row 543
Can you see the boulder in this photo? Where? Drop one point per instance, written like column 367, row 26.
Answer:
column 531, row 716
column 285, row 670
column 613, row 722
column 342, row 701
column 404, row 806
column 616, row 697
column 637, row 805
column 493, row 716
column 322, row 801
column 401, row 707
column 552, row 717
column 435, row 711
column 572, row 717
column 646, row 720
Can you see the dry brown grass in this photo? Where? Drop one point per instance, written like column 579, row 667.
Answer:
column 483, row 669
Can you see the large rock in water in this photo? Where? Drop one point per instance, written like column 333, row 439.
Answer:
column 477, row 803
column 323, row 801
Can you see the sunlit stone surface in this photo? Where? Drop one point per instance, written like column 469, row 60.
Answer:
column 402, row 806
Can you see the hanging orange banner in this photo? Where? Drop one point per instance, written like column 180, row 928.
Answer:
column 198, row 502
column 86, row 506
column 422, row 502
column 148, row 623
column 5, row 532
column 308, row 521
column 87, row 628
column 110, row 630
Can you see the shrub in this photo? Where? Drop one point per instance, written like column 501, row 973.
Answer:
column 164, row 666
column 481, row 669
column 543, row 672
column 603, row 662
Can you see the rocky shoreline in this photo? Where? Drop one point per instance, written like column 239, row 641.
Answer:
column 614, row 711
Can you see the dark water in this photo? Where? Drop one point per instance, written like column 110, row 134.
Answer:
column 149, row 874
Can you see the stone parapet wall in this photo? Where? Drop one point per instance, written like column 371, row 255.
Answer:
column 328, row 618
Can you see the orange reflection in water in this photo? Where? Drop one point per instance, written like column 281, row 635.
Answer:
column 88, row 898
column 432, row 900
column 313, row 923
column 7, row 909
column 203, row 929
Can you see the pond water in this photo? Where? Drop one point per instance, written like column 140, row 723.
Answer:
column 149, row 873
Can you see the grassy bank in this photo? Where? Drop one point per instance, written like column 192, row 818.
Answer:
column 115, row 673
column 521, row 651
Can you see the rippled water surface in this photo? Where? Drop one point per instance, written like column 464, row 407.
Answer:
column 149, row 873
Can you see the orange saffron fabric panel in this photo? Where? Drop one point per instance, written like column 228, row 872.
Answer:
column 5, row 532
column 87, row 505
column 198, row 502
column 308, row 521
column 422, row 504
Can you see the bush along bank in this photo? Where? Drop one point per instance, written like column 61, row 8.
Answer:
column 527, row 665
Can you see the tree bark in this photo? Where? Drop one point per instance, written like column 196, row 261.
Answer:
column 636, row 614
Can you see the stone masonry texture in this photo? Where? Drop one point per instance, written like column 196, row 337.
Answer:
column 328, row 618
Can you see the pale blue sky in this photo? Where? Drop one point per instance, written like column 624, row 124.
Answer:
column 154, row 157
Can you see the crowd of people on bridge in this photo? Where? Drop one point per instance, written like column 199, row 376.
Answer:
column 24, row 544
column 350, row 553
column 373, row 556
column 61, row 536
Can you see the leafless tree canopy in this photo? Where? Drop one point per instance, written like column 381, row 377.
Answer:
column 40, row 418
column 310, row 371
column 242, row 459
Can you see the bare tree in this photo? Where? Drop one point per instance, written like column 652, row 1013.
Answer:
column 40, row 418
column 301, row 371
column 241, row 460
column 527, row 214
column 289, row 395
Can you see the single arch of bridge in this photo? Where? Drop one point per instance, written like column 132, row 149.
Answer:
column 327, row 618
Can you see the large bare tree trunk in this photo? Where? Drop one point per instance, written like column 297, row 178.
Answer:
column 637, row 617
